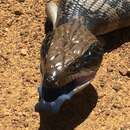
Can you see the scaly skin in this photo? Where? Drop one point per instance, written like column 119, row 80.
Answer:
column 100, row 16
column 73, row 48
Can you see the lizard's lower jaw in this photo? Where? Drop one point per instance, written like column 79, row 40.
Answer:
column 55, row 105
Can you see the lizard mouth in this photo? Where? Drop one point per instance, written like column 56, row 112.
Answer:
column 78, row 78
column 51, row 100
column 71, row 83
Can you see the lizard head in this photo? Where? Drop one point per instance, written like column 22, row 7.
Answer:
column 70, row 57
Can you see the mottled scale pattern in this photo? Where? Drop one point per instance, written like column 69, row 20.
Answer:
column 100, row 16
column 64, row 50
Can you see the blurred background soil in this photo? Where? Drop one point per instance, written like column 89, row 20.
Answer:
column 21, row 34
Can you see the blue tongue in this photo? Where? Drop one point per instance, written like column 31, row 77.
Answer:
column 53, row 106
column 51, row 100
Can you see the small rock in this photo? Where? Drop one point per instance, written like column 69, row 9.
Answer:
column 4, row 57
column 101, row 96
column 23, row 52
column 102, row 84
column 110, row 69
column 116, row 87
column 9, row 91
column 9, row 22
column 24, row 33
column 6, row 29
column 128, row 73
column 124, row 72
column 117, row 106
column 35, row 80
column 25, row 124
column 17, row 12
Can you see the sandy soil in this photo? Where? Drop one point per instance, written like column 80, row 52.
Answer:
column 104, row 105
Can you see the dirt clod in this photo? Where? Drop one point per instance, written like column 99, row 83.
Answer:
column 17, row 12
column 116, row 87
column 23, row 52
column 128, row 73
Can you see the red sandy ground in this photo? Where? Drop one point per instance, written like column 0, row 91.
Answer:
column 21, row 33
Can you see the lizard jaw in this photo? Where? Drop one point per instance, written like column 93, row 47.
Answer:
column 54, row 106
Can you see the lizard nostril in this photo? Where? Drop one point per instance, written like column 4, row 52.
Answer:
column 50, row 80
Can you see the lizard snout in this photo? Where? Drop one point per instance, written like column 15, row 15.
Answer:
column 50, row 80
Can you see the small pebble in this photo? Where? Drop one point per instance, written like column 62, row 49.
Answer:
column 117, row 106
column 110, row 69
column 102, row 82
column 25, row 124
column 18, row 12
column 23, row 52
column 116, row 87
column 125, row 72
column 24, row 33
column 128, row 73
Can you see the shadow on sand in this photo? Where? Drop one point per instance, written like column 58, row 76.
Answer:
column 72, row 113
